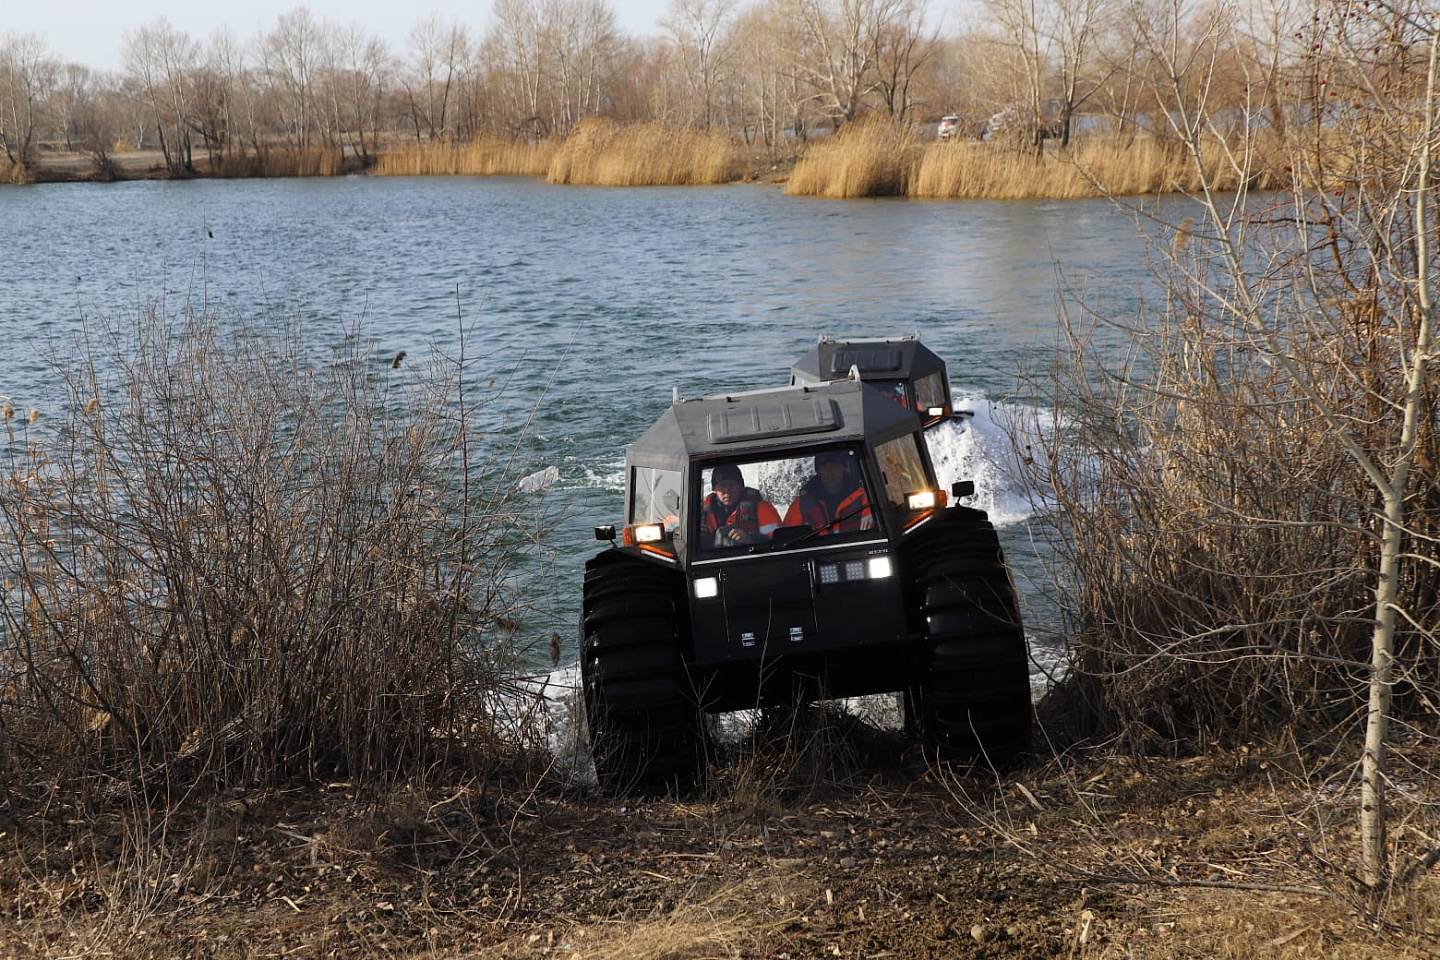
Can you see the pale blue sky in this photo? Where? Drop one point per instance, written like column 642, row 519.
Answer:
column 90, row 31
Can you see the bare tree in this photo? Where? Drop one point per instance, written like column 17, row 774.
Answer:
column 87, row 111
column 903, row 48
column 514, row 51
column 1022, row 32
column 1080, row 28
column 439, row 53
column 837, row 47
column 701, row 36
column 357, row 78
column 773, row 105
column 160, row 59
column 291, row 55
column 585, row 49
column 28, row 77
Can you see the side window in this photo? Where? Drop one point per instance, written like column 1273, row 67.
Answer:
column 894, row 389
column 901, row 468
column 655, row 496
column 930, row 392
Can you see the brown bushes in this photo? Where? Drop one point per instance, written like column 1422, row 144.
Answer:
column 230, row 562
column 1219, row 542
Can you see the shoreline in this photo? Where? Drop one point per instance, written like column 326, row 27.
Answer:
column 129, row 166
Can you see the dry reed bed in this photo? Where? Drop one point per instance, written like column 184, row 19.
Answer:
column 284, row 162
column 482, row 158
column 879, row 159
column 862, row 160
column 604, row 153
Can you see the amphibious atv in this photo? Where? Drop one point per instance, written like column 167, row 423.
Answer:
column 697, row 612
column 905, row 370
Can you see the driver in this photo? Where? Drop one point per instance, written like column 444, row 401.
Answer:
column 833, row 499
column 735, row 513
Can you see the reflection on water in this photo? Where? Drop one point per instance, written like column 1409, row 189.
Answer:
column 589, row 303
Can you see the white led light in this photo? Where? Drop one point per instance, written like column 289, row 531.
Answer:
column 879, row 568
column 829, row 573
column 936, row 412
column 925, row 500
column 649, row 533
column 707, row 587
column 855, row 570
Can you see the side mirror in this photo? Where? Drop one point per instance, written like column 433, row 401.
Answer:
column 962, row 488
column 606, row 532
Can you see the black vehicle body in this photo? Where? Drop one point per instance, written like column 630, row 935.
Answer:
column 681, row 620
column 904, row 369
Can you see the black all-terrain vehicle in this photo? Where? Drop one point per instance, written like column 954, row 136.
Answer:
column 904, row 369
column 790, row 545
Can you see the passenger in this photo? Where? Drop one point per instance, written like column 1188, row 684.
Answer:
column 734, row 513
column 833, row 494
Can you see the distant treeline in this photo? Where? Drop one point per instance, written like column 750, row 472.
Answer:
column 767, row 75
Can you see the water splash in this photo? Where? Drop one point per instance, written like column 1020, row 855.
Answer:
column 539, row 480
column 981, row 448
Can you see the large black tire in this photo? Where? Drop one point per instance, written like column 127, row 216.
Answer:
column 646, row 733
column 971, row 701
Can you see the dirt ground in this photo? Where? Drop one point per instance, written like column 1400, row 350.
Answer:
column 861, row 853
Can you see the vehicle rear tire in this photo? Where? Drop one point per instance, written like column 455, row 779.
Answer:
column 971, row 699
column 645, row 725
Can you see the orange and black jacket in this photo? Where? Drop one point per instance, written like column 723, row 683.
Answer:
column 812, row 508
column 752, row 513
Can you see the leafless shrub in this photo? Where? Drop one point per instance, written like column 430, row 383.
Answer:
column 1250, row 508
column 230, row 561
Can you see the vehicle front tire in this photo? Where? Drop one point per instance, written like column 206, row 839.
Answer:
column 971, row 700
column 645, row 727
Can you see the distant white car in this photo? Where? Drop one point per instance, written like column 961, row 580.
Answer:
column 949, row 127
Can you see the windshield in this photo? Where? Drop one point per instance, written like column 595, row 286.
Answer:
column 743, row 503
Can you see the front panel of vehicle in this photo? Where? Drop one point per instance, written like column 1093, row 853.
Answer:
column 795, row 603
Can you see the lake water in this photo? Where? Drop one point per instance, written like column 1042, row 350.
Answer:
column 599, row 300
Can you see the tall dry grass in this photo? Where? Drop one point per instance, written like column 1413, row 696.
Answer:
column 482, row 158
column 878, row 159
column 605, row 153
column 1089, row 167
column 283, row 162
column 868, row 159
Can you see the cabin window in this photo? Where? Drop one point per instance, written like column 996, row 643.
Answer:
column 655, row 496
column 902, row 468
